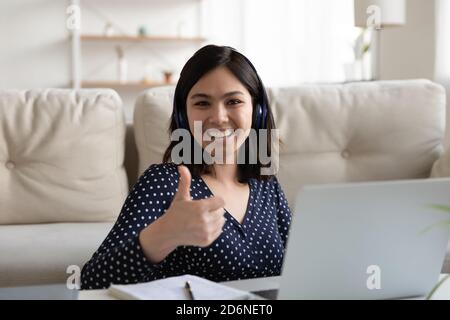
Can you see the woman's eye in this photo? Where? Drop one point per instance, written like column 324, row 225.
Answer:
column 234, row 102
column 202, row 103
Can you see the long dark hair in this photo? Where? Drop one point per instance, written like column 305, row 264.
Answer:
column 204, row 60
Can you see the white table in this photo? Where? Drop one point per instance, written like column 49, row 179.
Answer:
column 258, row 284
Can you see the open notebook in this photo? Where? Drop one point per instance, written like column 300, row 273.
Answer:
column 173, row 288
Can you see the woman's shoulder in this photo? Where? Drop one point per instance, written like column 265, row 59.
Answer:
column 268, row 184
column 162, row 168
column 161, row 172
column 270, row 190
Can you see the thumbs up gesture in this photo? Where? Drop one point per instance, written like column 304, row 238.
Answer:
column 195, row 222
column 186, row 222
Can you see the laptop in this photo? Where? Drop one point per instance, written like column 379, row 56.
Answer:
column 375, row 240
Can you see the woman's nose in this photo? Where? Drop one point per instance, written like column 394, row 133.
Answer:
column 219, row 114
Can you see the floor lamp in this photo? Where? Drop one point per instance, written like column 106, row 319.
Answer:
column 377, row 15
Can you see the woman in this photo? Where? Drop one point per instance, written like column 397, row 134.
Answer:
column 221, row 221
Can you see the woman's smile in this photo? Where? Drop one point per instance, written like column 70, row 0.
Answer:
column 216, row 134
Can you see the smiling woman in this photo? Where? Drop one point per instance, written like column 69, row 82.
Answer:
column 220, row 88
column 218, row 221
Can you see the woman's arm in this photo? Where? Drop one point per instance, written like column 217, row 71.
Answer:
column 120, row 258
column 186, row 222
column 146, row 231
column 156, row 242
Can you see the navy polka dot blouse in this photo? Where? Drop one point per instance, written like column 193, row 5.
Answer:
column 252, row 249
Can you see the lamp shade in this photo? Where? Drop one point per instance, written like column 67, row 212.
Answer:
column 383, row 13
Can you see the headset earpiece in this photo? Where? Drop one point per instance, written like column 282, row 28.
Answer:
column 261, row 120
column 259, row 116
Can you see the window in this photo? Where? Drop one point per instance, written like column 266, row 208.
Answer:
column 289, row 41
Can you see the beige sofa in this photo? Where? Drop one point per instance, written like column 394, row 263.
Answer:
column 67, row 158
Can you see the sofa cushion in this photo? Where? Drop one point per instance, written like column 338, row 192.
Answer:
column 151, row 125
column 40, row 253
column 61, row 156
column 331, row 133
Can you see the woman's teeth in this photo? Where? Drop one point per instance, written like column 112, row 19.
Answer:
column 218, row 134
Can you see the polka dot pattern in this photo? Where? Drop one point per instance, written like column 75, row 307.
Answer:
column 252, row 249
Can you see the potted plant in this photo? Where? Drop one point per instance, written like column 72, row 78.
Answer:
column 445, row 223
column 358, row 69
column 168, row 73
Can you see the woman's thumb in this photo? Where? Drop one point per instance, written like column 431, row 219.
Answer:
column 184, row 184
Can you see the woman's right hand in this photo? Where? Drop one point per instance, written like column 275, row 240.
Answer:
column 186, row 222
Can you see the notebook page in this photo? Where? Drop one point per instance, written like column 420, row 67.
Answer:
column 173, row 289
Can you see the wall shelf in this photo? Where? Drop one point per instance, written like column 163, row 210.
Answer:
column 116, row 84
column 92, row 37
column 126, row 39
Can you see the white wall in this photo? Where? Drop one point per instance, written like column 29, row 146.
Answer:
column 160, row 17
column 34, row 50
column 442, row 65
column 409, row 51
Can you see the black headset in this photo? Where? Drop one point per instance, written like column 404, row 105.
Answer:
column 261, row 107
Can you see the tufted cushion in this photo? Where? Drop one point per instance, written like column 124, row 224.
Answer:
column 331, row 133
column 61, row 156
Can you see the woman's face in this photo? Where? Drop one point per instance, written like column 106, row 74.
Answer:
column 222, row 104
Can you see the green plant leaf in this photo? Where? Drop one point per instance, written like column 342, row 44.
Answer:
column 445, row 223
column 366, row 48
column 440, row 207
column 430, row 295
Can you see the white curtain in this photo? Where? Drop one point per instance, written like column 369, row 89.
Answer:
column 289, row 41
column 442, row 61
